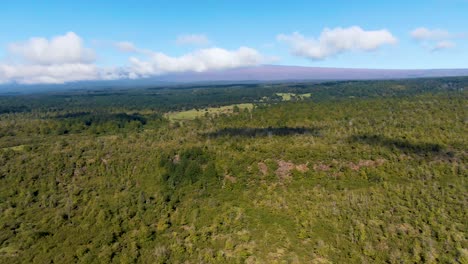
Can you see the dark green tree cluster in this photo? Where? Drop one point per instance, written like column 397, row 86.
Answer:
column 190, row 166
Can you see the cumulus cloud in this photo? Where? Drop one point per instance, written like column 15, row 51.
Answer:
column 193, row 39
column 198, row 61
column 149, row 63
column 337, row 40
column 57, row 60
column 423, row 33
column 68, row 48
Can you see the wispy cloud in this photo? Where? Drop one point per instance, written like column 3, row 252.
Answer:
column 125, row 46
column 193, row 39
column 337, row 40
column 445, row 44
column 423, row 33
column 436, row 39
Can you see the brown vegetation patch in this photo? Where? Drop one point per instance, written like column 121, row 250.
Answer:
column 187, row 227
column 284, row 169
column 176, row 159
column 263, row 168
column 365, row 163
column 230, row 178
column 79, row 171
column 321, row 167
column 106, row 159
column 302, row 167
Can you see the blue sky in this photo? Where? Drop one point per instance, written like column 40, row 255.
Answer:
column 153, row 27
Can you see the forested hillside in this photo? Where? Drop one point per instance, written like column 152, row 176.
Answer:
column 355, row 172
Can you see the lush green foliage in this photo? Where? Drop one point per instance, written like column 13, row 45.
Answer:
column 378, row 177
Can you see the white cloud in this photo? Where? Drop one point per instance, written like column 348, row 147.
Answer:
column 60, row 49
column 126, row 46
column 64, row 59
column 59, row 73
column 198, row 61
column 423, row 33
column 445, row 44
column 193, row 39
column 57, row 60
column 337, row 40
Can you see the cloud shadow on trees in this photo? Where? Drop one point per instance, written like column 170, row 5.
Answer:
column 263, row 132
column 405, row 145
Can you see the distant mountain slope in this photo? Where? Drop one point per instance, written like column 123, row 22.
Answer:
column 277, row 73
column 264, row 73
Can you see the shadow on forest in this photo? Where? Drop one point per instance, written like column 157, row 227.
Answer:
column 89, row 117
column 73, row 115
column 264, row 132
column 401, row 144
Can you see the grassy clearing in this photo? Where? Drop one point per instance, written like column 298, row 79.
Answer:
column 196, row 113
column 289, row 96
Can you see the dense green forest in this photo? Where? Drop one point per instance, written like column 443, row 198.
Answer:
column 359, row 172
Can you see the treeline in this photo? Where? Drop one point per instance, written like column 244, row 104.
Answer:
column 78, row 122
column 163, row 99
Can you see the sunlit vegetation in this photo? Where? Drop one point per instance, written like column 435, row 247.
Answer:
column 361, row 172
column 205, row 112
column 293, row 96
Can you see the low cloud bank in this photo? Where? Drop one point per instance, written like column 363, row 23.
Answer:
column 65, row 58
